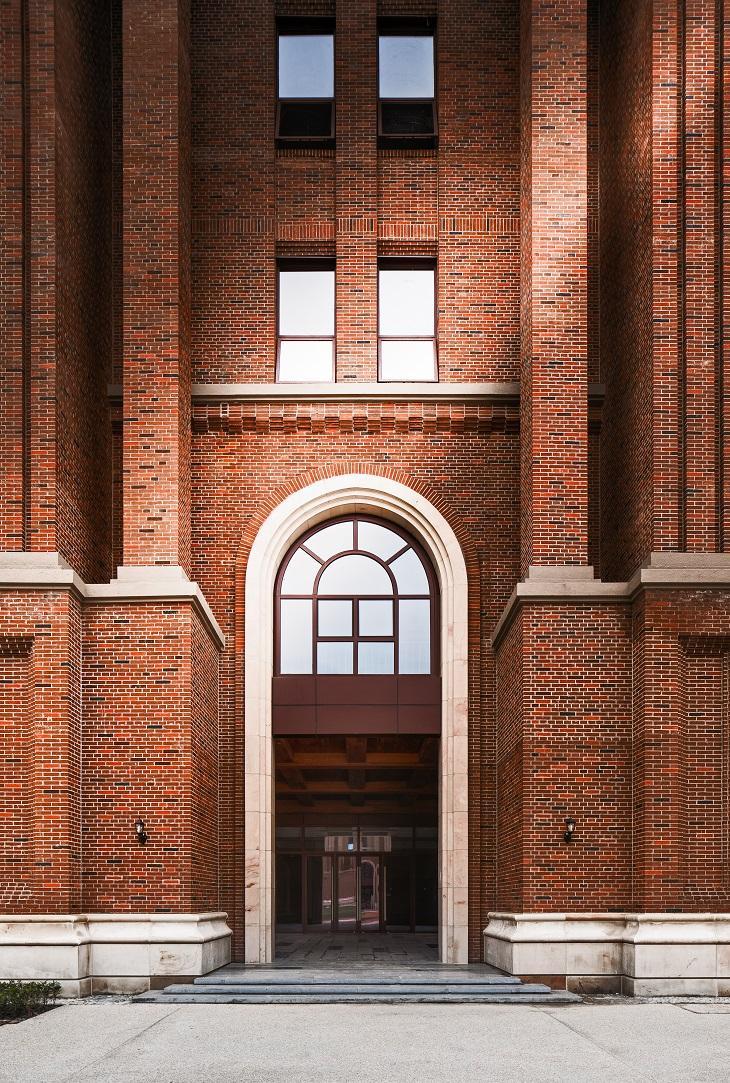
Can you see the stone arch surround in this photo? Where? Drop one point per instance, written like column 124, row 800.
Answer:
column 303, row 508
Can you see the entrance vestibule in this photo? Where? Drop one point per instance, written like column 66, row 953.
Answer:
column 356, row 841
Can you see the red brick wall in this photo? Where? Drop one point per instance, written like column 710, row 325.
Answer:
column 40, row 677
column 566, row 680
column 149, row 732
column 83, row 285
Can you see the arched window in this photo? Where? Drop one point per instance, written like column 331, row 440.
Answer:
column 356, row 597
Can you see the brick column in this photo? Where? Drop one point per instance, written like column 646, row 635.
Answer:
column 156, row 259
column 554, row 283
column 356, row 191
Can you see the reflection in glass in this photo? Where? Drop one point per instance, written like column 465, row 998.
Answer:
column 375, row 658
column 405, row 66
column 299, row 574
column 319, row 891
column 355, row 574
column 334, row 618
column 370, row 893
column 306, row 360
column 330, row 540
column 296, row 635
column 306, row 302
column 406, row 302
column 379, row 540
column 410, row 574
column 414, row 638
column 334, row 657
column 346, row 891
column 329, row 838
column 407, row 360
column 306, row 66
column 375, row 618
column 288, row 838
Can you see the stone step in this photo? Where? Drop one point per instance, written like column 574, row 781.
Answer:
column 549, row 998
column 307, row 989
column 253, row 979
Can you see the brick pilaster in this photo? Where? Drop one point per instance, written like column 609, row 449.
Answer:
column 156, row 317
column 356, row 191
column 554, row 282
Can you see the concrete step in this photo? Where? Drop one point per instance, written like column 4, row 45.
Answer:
column 307, row 990
column 254, row 979
column 550, row 998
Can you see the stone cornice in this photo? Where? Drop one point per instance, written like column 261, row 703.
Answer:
column 570, row 585
column 489, row 391
column 49, row 571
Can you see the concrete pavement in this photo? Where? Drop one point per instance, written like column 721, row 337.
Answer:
column 119, row 1042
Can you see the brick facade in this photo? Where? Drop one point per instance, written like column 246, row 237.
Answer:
column 576, row 208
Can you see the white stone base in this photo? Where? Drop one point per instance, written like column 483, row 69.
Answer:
column 633, row 954
column 112, row 953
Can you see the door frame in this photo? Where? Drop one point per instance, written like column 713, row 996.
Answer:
column 302, row 509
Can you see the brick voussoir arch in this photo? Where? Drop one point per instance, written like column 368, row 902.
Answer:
column 315, row 496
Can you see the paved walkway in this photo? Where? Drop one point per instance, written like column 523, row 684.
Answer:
column 616, row 1042
column 335, row 949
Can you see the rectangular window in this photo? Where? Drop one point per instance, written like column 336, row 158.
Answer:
column 406, row 83
column 407, row 320
column 306, row 322
column 305, row 112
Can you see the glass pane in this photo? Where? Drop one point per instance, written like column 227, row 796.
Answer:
column 306, row 66
column 409, row 574
column 288, row 838
column 376, row 618
column 329, row 839
column 414, row 637
column 306, row 302
column 426, row 890
column 319, row 892
column 334, row 658
column 299, row 575
column 288, row 889
column 346, row 891
column 426, row 838
column 355, row 574
column 334, row 618
column 406, row 300
column 306, row 361
column 375, row 657
column 403, row 360
column 405, row 66
column 370, row 893
column 386, row 838
column 332, row 539
column 378, row 540
column 296, row 636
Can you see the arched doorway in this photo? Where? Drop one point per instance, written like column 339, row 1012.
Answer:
column 356, row 719
column 327, row 499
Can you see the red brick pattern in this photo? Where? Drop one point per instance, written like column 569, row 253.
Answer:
column 554, row 208
column 576, row 205
column 156, row 192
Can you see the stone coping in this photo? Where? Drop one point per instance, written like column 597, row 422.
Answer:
column 49, row 571
column 575, row 585
column 438, row 391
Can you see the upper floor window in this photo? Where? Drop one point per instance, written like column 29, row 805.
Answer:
column 356, row 597
column 306, row 321
column 306, row 81
column 406, row 320
column 406, row 83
